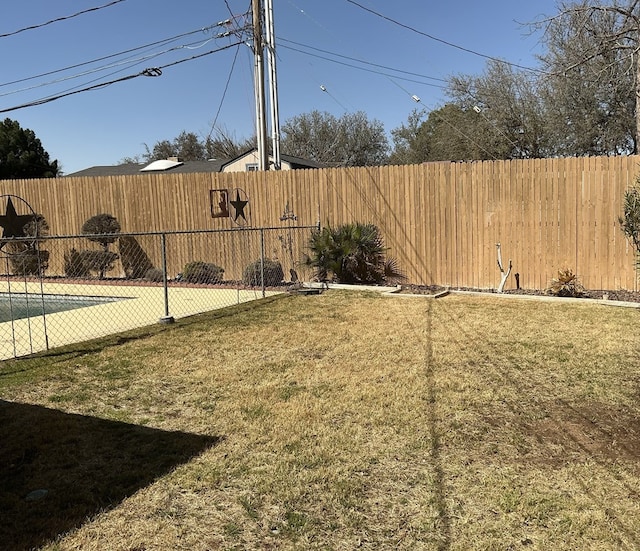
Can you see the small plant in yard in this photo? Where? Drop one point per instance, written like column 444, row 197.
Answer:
column 202, row 272
column 26, row 256
column 352, row 253
column 154, row 275
column 82, row 263
column 273, row 273
column 566, row 284
column 630, row 222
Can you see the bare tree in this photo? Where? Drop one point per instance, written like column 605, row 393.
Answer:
column 225, row 145
column 349, row 140
column 592, row 87
column 509, row 111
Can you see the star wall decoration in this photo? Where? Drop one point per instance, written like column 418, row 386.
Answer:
column 13, row 223
column 239, row 204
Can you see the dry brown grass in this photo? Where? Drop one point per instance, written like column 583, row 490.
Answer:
column 340, row 421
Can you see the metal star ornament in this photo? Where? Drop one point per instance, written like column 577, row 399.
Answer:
column 13, row 223
column 239, row 204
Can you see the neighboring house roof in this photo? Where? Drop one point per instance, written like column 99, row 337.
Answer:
column 175, row 166
column 133, row 168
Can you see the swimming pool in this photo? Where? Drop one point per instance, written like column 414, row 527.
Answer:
column 15, row 306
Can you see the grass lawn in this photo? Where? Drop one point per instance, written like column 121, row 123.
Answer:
column 339, row 421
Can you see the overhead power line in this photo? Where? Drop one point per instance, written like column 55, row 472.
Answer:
column 126, row 61
column 224, row 93
column 117, row 54
column 442, row 41
column 363, row 68
column 149, row 72
column 58, row 19
column 280, row 39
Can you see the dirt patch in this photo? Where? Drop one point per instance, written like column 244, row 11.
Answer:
column 619, row 295
column 593, row 431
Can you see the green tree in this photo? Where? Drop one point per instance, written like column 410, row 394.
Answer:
column 450, row 133
column 102, row 229
column 349, row 140
column 22, row 154
column 410, row 142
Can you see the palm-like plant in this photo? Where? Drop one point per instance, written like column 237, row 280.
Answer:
column 351, row 253
column 630, row 222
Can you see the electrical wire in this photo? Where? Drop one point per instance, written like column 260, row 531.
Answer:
column 58, row 19
column 442, row 41
column 123, row 52
column 280, row 39
column 321, row 26
column 150, row 72
column 224, row 93
column 364, row 68
column 128, row 61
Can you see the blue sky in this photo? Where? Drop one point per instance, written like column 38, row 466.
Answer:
column 102, row 126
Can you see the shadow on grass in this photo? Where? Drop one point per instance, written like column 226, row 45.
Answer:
column 58, row 469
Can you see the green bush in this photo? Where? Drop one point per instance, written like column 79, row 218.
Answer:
column 351, row 253
column 25, row 255
column 74, row 266
column 82, row 263
column 154, row 274
column 565, row 285
column 202, row 272
column 630, row 222
column 273, row 273
column 29, row 262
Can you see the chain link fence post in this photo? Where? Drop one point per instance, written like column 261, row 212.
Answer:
column 262, row 283
column 165, row 281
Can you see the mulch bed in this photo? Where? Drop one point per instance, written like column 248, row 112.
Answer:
column 619, row 295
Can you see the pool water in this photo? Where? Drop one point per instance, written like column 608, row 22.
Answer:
column 17, row 306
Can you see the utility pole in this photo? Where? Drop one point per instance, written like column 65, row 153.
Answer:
column 273, row 83
column 261, row 118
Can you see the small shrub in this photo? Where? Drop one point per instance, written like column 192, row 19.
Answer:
column 273, row 273
column 74, row 266
column 630, row 222
column 351, row 253
column 25, row 255
column 565, row 285
column 202, row 272
column 154, row 274
column 82, row 263
column 29, row 262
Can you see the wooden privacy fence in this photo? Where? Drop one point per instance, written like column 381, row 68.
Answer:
column 441, row 220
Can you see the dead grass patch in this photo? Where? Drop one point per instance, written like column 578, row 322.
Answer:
column 338, row 421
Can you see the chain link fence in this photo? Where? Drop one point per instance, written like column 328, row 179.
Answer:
column 57, row 290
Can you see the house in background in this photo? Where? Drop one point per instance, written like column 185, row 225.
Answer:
column 248, row 161
column 245, row 162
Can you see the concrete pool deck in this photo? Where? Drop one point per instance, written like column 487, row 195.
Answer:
column 141, row 306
